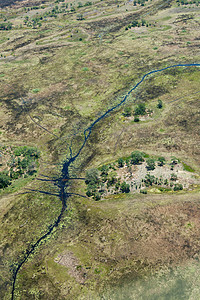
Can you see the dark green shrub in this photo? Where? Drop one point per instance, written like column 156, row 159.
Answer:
column 160, row 104
column 92, row 176
column 137, row 157
column 143, row 191
column 120, row 162
column 140, row 109
column 5, row 180
column 150, row 164
column 178, row 187
column 127, row 111
column 104, row 170
column 136, row 119
column 125, row 188
column 97, row 196
column 149, row 180
column 161, row 161
column 173, row 177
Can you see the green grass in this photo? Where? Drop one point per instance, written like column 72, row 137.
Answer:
column 85, row 69
column 35, row 91
column 187, row 168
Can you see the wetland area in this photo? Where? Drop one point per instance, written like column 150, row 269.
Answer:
column 99, row 150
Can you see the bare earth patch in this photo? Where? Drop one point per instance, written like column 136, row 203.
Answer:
column 68, row 260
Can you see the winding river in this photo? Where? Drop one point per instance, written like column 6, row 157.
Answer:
column 62, row 182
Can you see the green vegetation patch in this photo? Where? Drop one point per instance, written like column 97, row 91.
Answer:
column 187, row 168
column 137, row 173
column 35, row 91
column 17, row 162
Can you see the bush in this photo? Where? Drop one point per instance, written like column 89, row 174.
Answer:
column 160, row 104
column 4, row 180
column 24, row 163
column 104, row 170
column 149, row 180
column 174, row 161
column 136, row 119
column 6, row 26
column 137, row 157
column 140, row 109
column 178, row 187
column 120, row 162
column 143, row 191
column 111, row 181
column 150, row 164
column 125, row 188
column 27, row 151
column 127, row 162
column 117, row 185
column 97, row 196
column 79, row 17
column 161, row 161
column 91, row 189
column 127, row 112
column 166, row 182
column 173, row 177
column 92, row 176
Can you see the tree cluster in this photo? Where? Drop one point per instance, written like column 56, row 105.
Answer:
column 139, row 2
column 103, row 180
column 140, row 110
column 23, row 162
column 137, row 23
column 186, row 2
column 6, row 26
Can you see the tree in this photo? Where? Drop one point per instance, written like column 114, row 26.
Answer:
column 178, row 187
column 120, row 162
column 104, row 170
column 143, row 22
column 140, row 109
column 79, row 17
column 143, row 191
column 117, row 185
column 24, row 163
column 32, row 168
column 97, row 196
column 150, row 164
column 6, row 26
column 112, row 179
column 160, row 104
column 136, row 119
column 92, row 176
column 173, row 177
column 4, row 180
column 161, row 161
column 137, row 157
column 127, row 162
column 125, row 187
column 127, row 111
column 149, row 180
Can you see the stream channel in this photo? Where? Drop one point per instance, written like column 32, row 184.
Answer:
column 62, row 182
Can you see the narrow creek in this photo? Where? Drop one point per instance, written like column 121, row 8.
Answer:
column 62, row 182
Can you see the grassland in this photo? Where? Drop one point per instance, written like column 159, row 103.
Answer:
column 61, row 75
